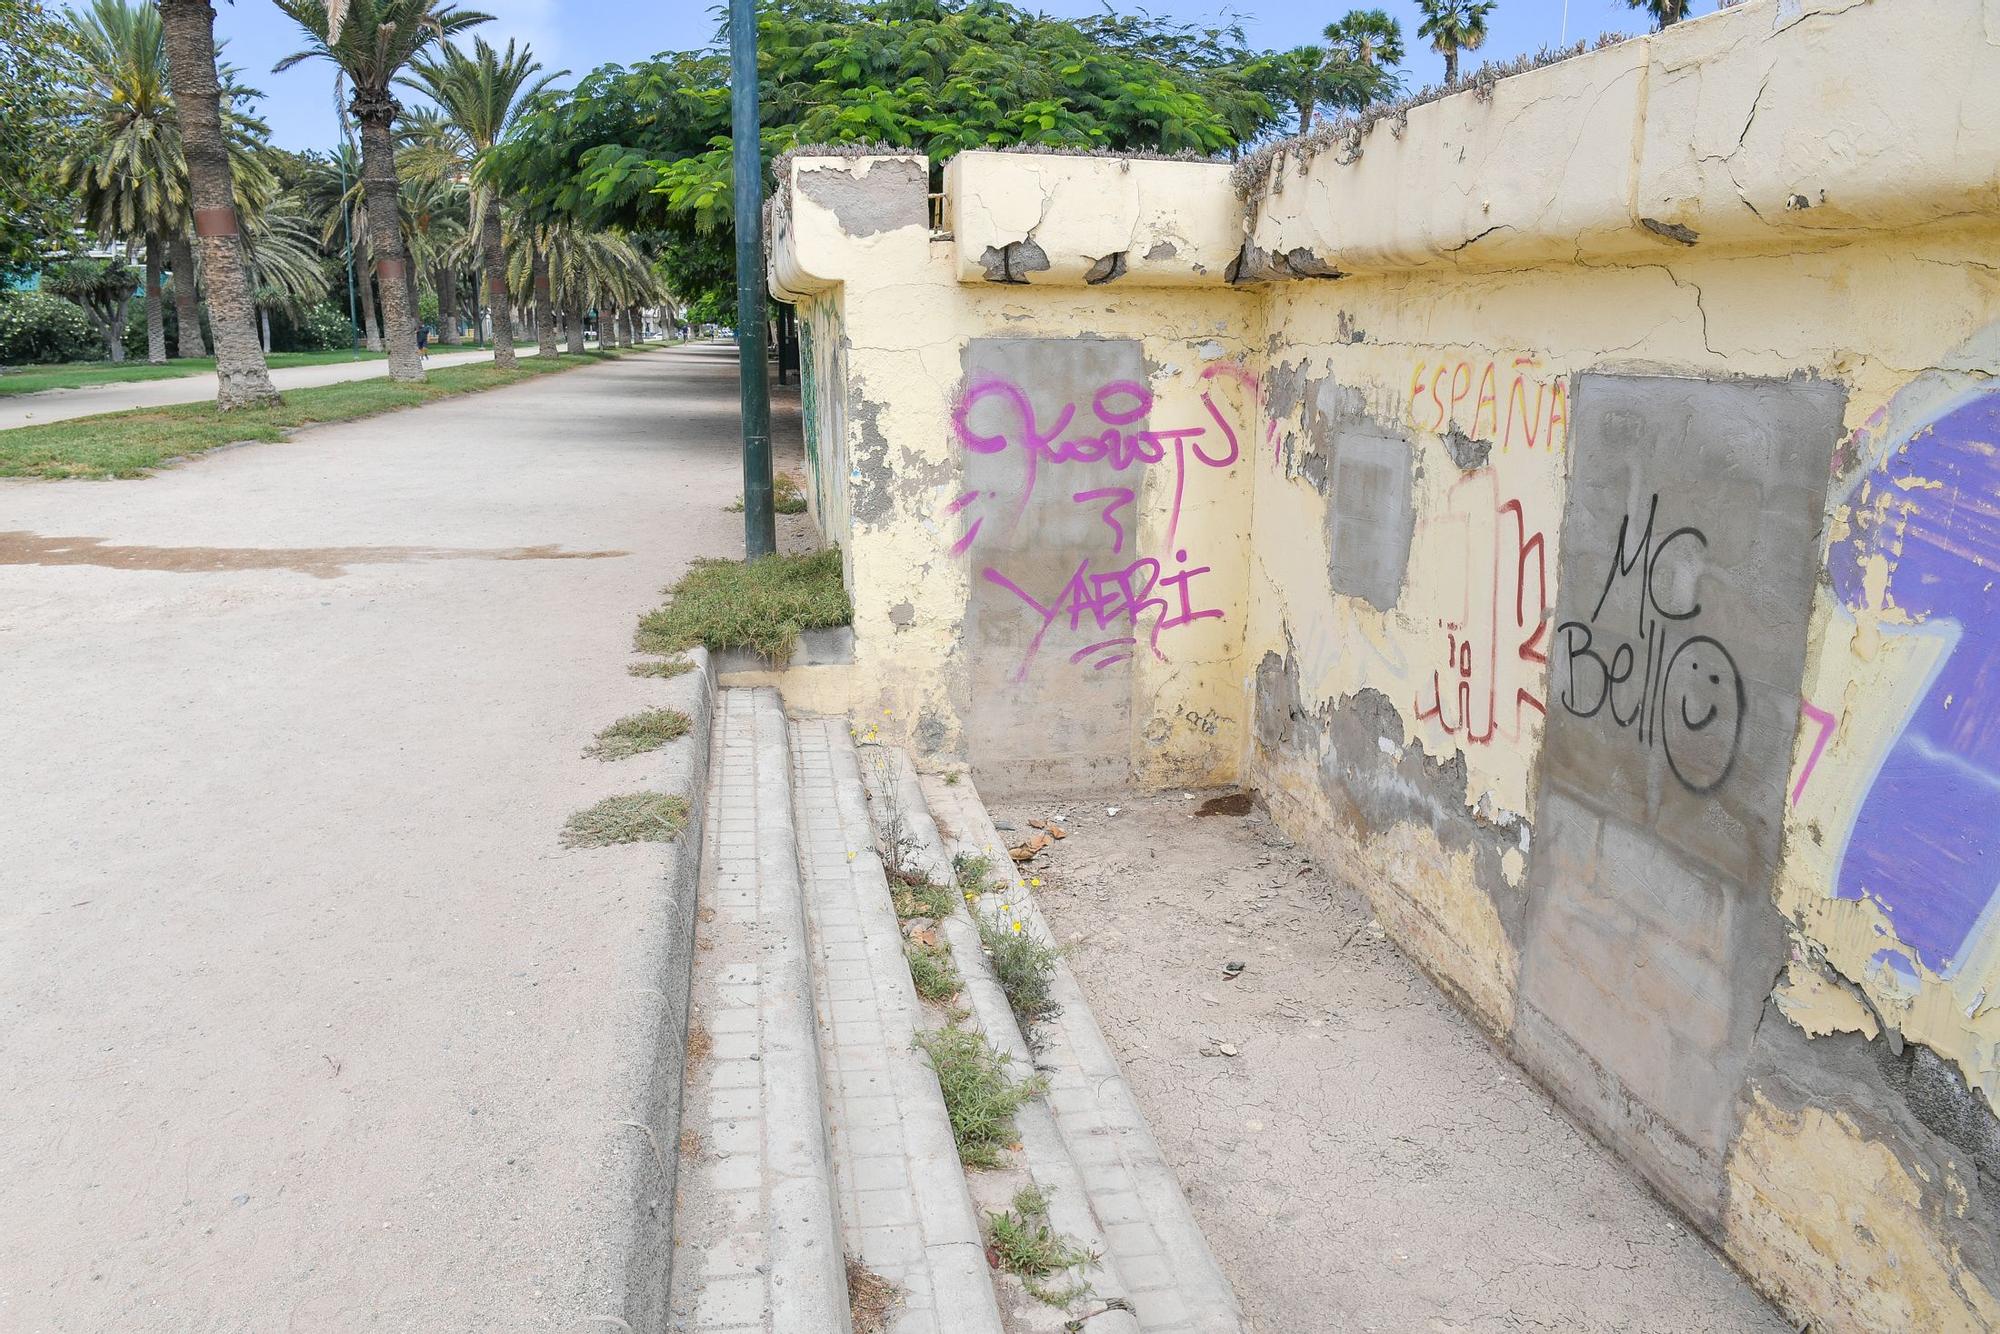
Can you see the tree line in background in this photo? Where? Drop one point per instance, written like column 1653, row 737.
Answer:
column 135, row 169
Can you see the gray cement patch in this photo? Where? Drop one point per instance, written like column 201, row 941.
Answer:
column 1689, row 551
column 892, row 195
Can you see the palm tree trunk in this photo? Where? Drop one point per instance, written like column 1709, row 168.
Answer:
column 607, row 325
column 188, row 341
column 447, row 290
column 189, row 29
column 1450, row 66
column 573, row 322
column 376, row 111
column 371, row 332
column 156, row 312
column 264, row 328
column 545, row 323
column 493, row 251
column 633, row 327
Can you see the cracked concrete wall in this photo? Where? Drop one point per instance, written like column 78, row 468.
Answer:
column 1046, row 492
column 1734, row 279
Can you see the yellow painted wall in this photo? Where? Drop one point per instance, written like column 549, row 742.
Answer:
column 1791, row 202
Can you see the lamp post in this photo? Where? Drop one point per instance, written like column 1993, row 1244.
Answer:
column 760, row 533
column 346, row 212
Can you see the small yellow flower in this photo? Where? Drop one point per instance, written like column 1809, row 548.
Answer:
column 1036, row 881
column 1017, row 928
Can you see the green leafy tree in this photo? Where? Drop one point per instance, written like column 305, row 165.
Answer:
column 647, row 148
column 37, row 120
column 1453, row 26
column 481, row 96
column 372, row 46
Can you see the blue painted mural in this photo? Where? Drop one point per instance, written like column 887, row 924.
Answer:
column 1925, row 843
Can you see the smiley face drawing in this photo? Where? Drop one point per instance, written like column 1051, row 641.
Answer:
column 1702, row 703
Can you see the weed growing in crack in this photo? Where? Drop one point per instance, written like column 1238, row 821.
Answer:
column 1027, row 1245
column 633, row 817
column 1024, row 966
column 979, row 1098
column 637, row 733
column 762, row 605
column 661, row 667
column 870, row 1298
column 932, row 970
column 918, row 898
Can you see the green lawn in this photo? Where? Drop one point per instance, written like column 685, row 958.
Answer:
column 127, row 444
column 79, row 374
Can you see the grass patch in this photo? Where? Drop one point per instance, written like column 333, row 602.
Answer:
column 916, row 898
column 786, row 495
column 637, row 733
column 661, row 667
column 932, row 970
column 1025, row 968
column 979, row 1098
column 762, row 605
column 974, row 872
column 1027, row 1245
column 83, row 374
column 870, row 1298
column 634, row 817
column 127, row 444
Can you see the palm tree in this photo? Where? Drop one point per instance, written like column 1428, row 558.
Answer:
column 1367, row 37
column 377, row 39
column 1312, row 76
column 1665, row 12
column 189, row 28
column 481, row 95
column 1454, row 26
column 285, row 267
column 127, row 171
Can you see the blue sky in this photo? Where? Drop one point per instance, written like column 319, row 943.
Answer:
column 581, row 34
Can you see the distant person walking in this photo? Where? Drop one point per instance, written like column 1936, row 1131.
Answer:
column 423, row 342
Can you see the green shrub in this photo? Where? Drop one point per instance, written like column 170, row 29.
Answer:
column 324, row 328
column 37, row 328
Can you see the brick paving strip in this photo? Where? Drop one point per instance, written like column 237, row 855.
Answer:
column 905, row 1207
column 756, row 1242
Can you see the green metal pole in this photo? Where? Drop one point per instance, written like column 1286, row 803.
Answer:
column 760, row 530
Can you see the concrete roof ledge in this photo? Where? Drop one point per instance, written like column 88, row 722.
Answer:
column 1774, row 123
column 1069, row 220
column 835, row 214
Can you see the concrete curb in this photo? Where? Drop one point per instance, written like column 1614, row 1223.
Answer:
column 1132, row 1186
column 1044, row 1154
column 644, row 1142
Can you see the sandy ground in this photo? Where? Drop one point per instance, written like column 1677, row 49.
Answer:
column 54, row 405
column 309, row 1023
column 1365, row 1159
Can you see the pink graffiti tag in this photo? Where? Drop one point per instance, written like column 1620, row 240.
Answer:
column 1826, row 724
column 1117, row 405
column 1108, row 597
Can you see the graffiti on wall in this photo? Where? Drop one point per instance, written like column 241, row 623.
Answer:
column 1659, row 676
column 1061, row 445
column 1508, row 401
column 1925, row 840
column 1495, row 646
column 1133, row 601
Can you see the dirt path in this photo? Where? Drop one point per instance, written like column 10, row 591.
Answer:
column 1360, row 1156
column 309, row 1021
